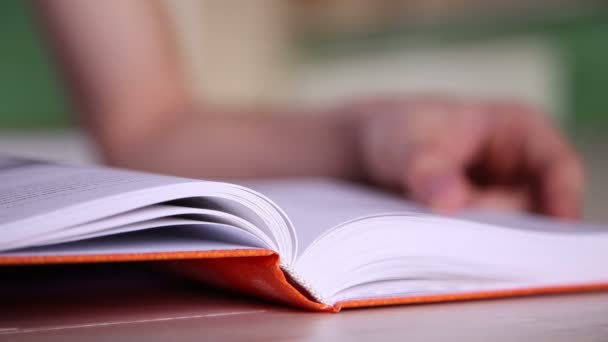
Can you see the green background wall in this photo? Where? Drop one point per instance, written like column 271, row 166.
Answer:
column 31, row 96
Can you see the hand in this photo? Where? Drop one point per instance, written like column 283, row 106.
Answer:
column 451, row 155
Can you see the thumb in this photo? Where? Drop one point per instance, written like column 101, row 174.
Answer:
column 437, row 180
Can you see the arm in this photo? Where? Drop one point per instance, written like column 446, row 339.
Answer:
column 447, row 154
column 120, row 64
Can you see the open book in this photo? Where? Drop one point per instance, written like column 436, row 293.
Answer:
column 314, row 243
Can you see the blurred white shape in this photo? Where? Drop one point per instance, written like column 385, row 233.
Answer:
column 70, row 146
column 234, row 51
column 527, row 70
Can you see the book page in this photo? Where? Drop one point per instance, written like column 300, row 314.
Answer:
column 530, row 222
column 29, row 188
column 32, row 193
column 358, row 242
column 43, row 203
column 183, row 237
column 315, row 205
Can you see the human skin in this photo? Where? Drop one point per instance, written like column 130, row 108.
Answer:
column 121, row 68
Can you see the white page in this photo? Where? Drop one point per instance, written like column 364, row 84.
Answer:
column 427, row 247
column 315, row 205
column 512, row 246
column 30, row 188
column 38, row 198
column 162, row 224
column 195, row 238
column 531, row 222
column 119, row 223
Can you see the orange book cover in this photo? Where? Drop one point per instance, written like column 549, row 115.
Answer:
column 257, row 272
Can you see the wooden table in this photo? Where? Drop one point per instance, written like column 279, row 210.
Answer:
column 135, row 302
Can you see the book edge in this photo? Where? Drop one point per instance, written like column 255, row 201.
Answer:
column 17, row 260
column 474, row 295
column 277, row 282
column 256, row 272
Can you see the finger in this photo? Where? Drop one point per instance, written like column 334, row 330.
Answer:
column 437, row 158
column 561, row 187
column 502, row 199
column 500, row 162
column 556, row 171
column 435, row 179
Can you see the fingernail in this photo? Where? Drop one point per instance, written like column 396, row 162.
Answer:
column 439, row 184
column 443, row 193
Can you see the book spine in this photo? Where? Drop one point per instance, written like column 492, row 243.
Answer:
column 257, row 272
column 261, row 276
column 303, row 286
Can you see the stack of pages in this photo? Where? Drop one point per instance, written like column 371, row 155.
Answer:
column 317, row 244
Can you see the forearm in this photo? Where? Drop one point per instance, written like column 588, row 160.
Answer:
column 118, row 62
column 124, row 75
column 237, row 146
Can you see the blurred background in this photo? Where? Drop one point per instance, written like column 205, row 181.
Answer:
column 549, row 53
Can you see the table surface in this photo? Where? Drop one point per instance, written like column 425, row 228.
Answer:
column 132, row 302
